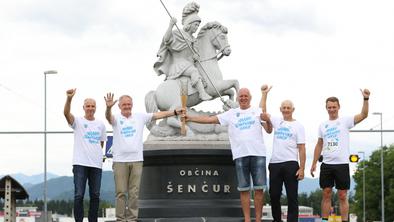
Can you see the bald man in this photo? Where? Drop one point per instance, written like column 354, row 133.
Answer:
column 89, row 137
column 247, row 147
column 288, row 148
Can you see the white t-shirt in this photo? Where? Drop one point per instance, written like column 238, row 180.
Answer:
column 287, row 135
column 335, row 135
column 127, row 141
column 245, row 132
column 87, row 137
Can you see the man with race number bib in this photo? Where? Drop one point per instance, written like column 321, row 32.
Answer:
column 333, row 145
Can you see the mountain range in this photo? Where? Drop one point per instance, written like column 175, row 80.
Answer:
column 28, row 181
column 62, row 187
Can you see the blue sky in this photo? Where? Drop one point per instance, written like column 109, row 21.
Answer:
column 308, row 50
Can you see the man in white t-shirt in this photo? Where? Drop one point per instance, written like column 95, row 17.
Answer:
column 89, row 137
column 247, row 147
column 333, row 145
column 288, row 148
column 127, row 151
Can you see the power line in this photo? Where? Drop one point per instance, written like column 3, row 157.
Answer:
column 8, row 89
column 40, row 132
column 372, row 131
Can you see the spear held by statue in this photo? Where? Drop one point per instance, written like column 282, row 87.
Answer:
column 195, row 56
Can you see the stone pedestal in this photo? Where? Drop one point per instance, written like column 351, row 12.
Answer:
column 189, row 181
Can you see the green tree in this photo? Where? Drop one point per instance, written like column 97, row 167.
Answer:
column 373, row 196
column 314, row 199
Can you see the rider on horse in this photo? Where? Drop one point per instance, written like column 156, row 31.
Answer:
column 176, row 59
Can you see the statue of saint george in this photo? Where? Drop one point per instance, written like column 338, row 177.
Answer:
column 177, row 53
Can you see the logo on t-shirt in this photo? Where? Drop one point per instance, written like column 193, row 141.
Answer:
column 332, row 132
column 85, row 125
column 283, row 133
column 93, row 137
column 332, row 137
column 128, row 131
column 245, row 123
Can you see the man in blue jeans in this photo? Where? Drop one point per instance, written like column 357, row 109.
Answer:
column 248, row 149
column 89, row 137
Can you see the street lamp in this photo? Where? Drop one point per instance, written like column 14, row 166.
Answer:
column 381, row 159
column 49, row 72
column 363, row 153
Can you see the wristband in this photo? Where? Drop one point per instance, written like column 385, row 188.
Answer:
column 366, row 99
column 175, row 114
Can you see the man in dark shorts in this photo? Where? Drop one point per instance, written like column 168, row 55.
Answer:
column 333, row 144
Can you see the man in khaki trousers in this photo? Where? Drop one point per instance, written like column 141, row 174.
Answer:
column 127, row 151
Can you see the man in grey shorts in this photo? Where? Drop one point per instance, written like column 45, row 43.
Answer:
column 248, row 149
column 333, row 144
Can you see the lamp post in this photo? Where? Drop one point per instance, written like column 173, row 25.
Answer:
column 49, row 72
column 381, row 159
column 363, row 153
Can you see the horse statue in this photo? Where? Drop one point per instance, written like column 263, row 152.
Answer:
column 211, row 45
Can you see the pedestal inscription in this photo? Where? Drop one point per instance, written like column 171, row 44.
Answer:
column 189, row 182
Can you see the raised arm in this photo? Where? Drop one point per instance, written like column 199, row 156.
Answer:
column 264, row 93
column 167, row 35
column 109, row 102
column 316, row 155
column 267, row 124
column 364, row 110
column 67, row 107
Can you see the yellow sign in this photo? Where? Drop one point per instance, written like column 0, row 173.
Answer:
column 334, row 218
column 354, row 158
